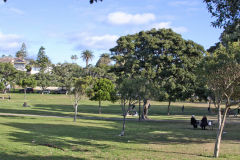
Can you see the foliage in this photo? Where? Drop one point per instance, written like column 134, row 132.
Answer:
column 91, row 1
column 44, row 80
column 104, row 60
column 74, row 57
column 7, row 73
column 42, row 59
column 2, row 86
column 226, row 12
column 28, row 81
column 222, row 72
column 103, row 90
column 22, row 53
column 86, row 56
column 231, row 33
column 163, row 58
column 80, row 88
column 65, row 74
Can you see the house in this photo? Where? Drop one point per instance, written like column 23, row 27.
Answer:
column 18, row 63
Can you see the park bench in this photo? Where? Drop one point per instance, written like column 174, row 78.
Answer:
column 211, row 125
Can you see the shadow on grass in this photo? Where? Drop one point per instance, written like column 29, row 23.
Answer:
column 89, row 135
column 66, row 110
column 5, row 156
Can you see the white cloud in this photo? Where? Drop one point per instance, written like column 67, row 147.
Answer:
column 161, row 25
column 16, row 11
column 169, row 25
column 9, row 42
column 120, row 18
column 87, row 41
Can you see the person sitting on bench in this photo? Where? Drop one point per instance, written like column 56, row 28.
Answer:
column 204, row 122
column 193, row 121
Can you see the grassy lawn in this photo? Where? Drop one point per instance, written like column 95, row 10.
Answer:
column 26, row 138
column 61, row 105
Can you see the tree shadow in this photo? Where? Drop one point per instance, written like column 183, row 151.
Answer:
column 18, row 156
column 92, row 135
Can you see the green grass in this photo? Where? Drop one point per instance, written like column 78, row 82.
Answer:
column 22, row 138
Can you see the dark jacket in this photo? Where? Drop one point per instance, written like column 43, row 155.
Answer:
column 193, row 121
column 204, row 121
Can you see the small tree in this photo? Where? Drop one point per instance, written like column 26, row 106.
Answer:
column 103, row 90
column 222, row 70
column 44, row 80
column 81, row 86
column 27, row 81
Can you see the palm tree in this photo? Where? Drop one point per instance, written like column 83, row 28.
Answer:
column 74, row 58
column 104, row 60
column 86, row 56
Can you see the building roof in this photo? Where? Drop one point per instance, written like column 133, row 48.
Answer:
column 7, row 60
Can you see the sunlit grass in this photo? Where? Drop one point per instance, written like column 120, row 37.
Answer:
column 24, row 137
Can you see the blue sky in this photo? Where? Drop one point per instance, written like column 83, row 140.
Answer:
column 67, row 27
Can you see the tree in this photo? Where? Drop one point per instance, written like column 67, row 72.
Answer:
column 86, row 56
column 163, row 58
column 74, row 57
column 22, row 53
column 103, row 90
column 222, row 72
column 2, row 86
column 81, row 86
column 226, row 12
column 27, row 81
column 42, row 59
column 7, row 74
column 44, row 80
column 231, row 33
column 91, row 1
column 65, row 74
column 104, row 60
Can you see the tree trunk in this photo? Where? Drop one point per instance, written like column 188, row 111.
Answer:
column 76, row 111
column 143, row 117
column 139, row 109
column 99, row 107
column 209, row 105
column 219, row 115
column 124, row 119
column 169, row 103
column 25, row 92
column 219, row 134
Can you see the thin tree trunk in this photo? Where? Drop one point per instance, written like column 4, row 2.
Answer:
column 219, row 134
column 169, row 103
column 143, row 116
column 219, row 115
column 124, row 118
column 76, row 111
column 99, row 107
column 209, row 105
column 25, row 92
column 86, row 63
column 139, row 109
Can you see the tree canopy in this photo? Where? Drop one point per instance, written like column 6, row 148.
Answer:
column 163, row 58
column 226, row 12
